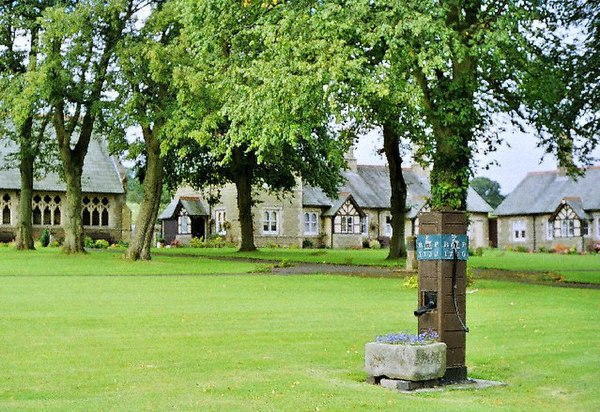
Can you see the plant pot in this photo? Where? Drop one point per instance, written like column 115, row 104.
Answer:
column 408, row 362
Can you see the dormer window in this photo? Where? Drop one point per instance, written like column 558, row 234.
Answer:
column 347, row 220
column 567, row 222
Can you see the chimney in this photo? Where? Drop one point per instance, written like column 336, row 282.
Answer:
column 351, row 160
column 564, row 154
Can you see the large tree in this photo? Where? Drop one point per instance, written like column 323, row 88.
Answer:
column 78, row 45
column 24, row 115
column 261, row 98
column 146, row 100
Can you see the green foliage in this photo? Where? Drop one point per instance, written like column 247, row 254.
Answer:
column 374, row 244
column 411, row 282
column 488, row 189
column 88, row 242
column 197, row 242
column 45, row 238
column 307, row 244
column 101, row 244
column 273, row 71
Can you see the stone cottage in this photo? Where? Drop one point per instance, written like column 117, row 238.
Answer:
column 360, row 213
column 550, row 209
column 105, row 213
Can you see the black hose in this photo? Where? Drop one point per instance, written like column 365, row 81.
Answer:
column 455, row 261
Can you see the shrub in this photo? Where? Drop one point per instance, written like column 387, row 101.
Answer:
column 216, row 241
column 479, row 251
column 197, row 242
column 45, row 238
column 307, row 244
column 374, row 244
column 88, row 242
column 543, row 249
column 411, row 282
column 57, row 242
column 175, row 243
column 101, row 244
column 521, row 249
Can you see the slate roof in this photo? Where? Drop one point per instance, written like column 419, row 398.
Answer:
column 370, row 187
column 542, row 192
column 102, row 173
column 340, row 202
column 194, row 207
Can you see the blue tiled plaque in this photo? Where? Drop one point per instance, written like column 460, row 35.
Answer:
column 441, row 247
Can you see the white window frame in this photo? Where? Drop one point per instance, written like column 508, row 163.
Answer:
column 220, row 219
column 364, row 225
column 388, row 226
column 549, row 229
column 184, row 223
column 519, row 230
column 311, row 223
column 597, row 227
column 271, row 221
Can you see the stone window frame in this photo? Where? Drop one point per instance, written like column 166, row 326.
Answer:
column 271, row 221
column 5, row 209
column 95, row 211
column 46, row 209
column 311, row 223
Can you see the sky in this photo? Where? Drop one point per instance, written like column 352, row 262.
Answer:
column 514, row 162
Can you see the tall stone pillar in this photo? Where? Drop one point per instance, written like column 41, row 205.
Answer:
column 442, row 251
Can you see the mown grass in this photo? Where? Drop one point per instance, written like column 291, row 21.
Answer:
column 51, row 262
column 363, row 257
column 573, row 268
column 290, row 343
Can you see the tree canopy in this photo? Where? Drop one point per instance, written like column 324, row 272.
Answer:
column 489, row 190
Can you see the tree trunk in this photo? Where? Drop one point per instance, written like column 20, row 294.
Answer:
column 73, row 224
column 139, row 247
column 24, row 240
column 243, row 166
column 391, row 147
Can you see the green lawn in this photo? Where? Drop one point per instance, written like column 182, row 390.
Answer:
column 50, row 262
column 260, row 342
column 574, row 268
column 365, row 257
